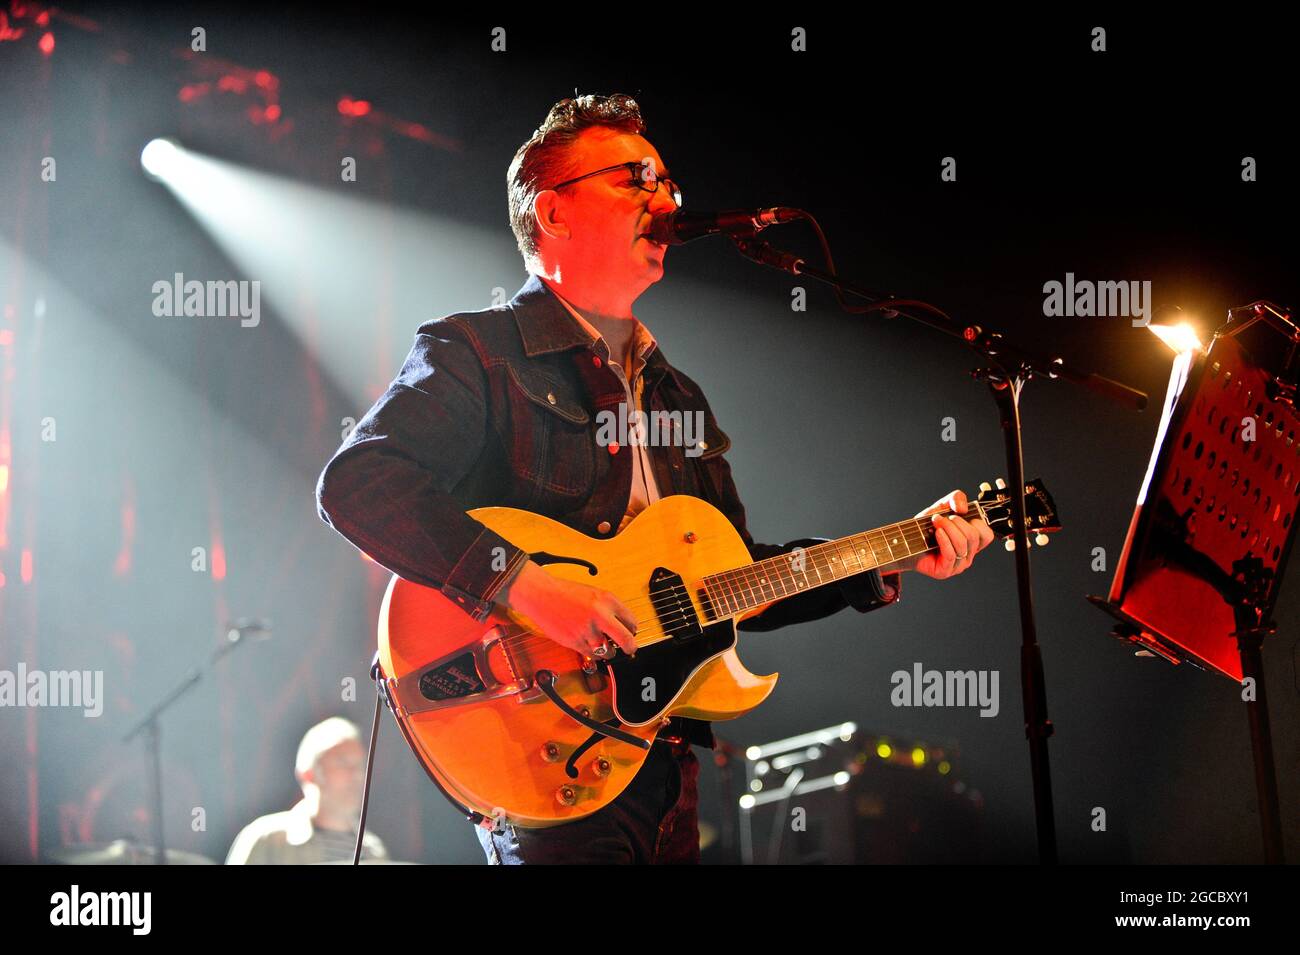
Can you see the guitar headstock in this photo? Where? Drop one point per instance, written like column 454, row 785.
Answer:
column 994, row 505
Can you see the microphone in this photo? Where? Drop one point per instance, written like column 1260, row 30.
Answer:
column 674, row 228
column 256, row 627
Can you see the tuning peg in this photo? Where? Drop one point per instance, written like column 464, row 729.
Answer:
column 1009, row 543
column 1041, row 539
column 985, row 487
column 1002, row 485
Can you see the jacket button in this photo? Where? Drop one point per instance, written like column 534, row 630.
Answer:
column 613, row 447
column 550, row 396
column 595, row 360
column 603, row 527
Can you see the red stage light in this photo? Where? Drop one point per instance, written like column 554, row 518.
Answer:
column 46, row 43
column 353, row 107
column 272, row 113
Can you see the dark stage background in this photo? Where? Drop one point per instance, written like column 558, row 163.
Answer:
column 181, row 433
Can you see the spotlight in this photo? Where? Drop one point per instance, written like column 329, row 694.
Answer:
column 158, row 157
column 1175, row 330
column 1181, row 337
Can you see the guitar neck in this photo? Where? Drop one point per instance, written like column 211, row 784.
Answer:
column 735, row 591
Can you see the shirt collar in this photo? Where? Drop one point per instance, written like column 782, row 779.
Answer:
column 547, row 324
column 642, row 340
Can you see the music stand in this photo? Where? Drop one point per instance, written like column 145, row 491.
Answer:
column 1215, row 519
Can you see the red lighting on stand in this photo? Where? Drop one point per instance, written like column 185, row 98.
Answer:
column 46, row 43
column 353, row 107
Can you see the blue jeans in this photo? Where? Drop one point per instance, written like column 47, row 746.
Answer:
column 654, row 821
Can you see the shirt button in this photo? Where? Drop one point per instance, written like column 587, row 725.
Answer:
column 603, row 527
column 550, row 396
column 613, row 447
column 595, row 360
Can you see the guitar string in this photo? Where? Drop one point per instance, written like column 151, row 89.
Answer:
column 529, row 639
column 521, row 640
column 756, row 584
column 751, row 574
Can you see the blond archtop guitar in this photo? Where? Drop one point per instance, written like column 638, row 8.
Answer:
column 514, row 727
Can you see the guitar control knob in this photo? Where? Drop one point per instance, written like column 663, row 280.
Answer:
column 985, row 487
column 600, row 766
column 1001, row 484
column 550, row 752
column 1041, row 540
column 1010, row 543
column 566, row 796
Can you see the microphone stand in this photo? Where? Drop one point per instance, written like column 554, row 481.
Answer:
column 151, row 726
column 1009, row 368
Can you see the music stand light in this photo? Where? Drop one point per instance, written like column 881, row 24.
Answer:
column 1215, row 520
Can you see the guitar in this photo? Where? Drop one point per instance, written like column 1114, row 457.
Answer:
column 513, row 726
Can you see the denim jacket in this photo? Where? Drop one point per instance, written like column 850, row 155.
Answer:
column 500, row 407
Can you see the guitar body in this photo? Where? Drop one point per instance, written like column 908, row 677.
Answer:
column 464, row 692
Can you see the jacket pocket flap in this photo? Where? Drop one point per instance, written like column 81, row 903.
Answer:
column 546, row 392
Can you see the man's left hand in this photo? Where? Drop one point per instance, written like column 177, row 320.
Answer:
column 959, row 540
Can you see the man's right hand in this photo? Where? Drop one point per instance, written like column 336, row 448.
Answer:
column 574, row 615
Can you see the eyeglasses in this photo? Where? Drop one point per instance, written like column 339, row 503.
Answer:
column 643, row 175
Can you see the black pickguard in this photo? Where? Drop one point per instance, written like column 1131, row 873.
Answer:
column 669, row 664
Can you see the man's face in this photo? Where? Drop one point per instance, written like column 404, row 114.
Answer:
column 599, row 224
column 340, row 774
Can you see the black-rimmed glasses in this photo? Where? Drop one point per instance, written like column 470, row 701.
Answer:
column 643, row 176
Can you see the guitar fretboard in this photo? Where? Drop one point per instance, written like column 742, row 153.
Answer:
column 762, row 582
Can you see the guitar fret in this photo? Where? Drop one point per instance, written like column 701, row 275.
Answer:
column 724, row 588
column 879, row 548
column 714, row 606
column 896, row 541
column 915, row 536
column 762, row 582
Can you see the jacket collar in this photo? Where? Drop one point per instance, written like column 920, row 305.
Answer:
column 545, row 326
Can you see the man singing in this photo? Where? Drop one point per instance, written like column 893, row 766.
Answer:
column 500, row 406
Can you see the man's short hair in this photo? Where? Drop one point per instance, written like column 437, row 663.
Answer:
column 543, row 160
column 325, row 735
